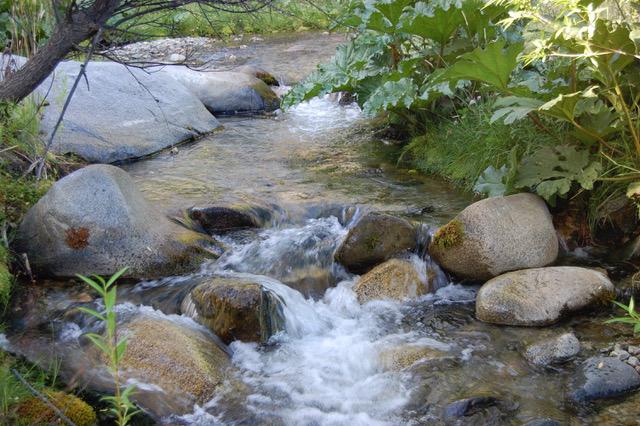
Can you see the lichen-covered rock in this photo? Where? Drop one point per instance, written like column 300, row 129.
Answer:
column 35, row 411
column 122, row 113
column 184, row 362
column 374, row 239
column 395, row 279
column 541, row 296
column 603, row 377
column 236, row 309
column 553, row 351
column 95, row 221
column 226, row 92
column 497, row 235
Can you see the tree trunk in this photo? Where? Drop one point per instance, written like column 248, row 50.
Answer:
column 69, row 32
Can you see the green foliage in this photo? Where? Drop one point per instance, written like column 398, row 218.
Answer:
column 26, row 23
column 492, row 182
column 404, row 55
column 632, row 317
column 112, row 347
column 551, row 171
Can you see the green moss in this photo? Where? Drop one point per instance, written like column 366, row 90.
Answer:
column 450, row 235
column 35, row 411
column 6, row 279
column 372, row 241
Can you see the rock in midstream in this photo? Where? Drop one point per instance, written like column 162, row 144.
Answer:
column 122, row 113
column 374, row 239
column 541, row 296
column 497, row 235
column 553, row 351
column 225, row 92
column 95, row 221
column 603, row 377
column 395, row 279
column 236, row 309
column 220, row 219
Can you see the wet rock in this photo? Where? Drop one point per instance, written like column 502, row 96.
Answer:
column 603, row 377
column 374, row 239
column 236, row 309
column 541, row 296
column 225, row 92
column 542, row 422
column 497, row 235
column 222, row 219
column 395, row 279
column 121, row 114
column 405, row 356
column 95, row 221
column 479, row 410
column 553, row 351
column 258, row 73
column 187, row 364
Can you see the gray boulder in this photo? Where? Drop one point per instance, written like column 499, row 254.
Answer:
column 603, row 377
column 95, row 221
column 497, row 235
column 121, row 114
column 374, row 239
column 395, row 279
column 226, row 92
column 552, row 351
column 541, row 296
column 236, row 309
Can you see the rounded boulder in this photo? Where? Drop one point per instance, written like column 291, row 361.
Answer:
column 497, row 235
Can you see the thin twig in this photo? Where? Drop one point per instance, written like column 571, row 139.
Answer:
column 83, row 68
column 43, row 398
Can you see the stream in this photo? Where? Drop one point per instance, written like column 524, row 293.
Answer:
column 316, row 169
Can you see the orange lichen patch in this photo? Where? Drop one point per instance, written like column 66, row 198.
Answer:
column 77, row 238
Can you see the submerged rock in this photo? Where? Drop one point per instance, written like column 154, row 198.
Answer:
column 121, row 114
column 403, row 357
column 542, row 422
column 95, row 221
column 497, row 235
column 541, row 296
column 374, row 239
column 553, row 351
column 236, row 309
column 603, row 377
column 395, row 279
column 225, row 92
column 479, row 410
column 226, row 218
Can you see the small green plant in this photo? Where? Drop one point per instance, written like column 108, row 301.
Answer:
column 110, row 346
column 632, row 316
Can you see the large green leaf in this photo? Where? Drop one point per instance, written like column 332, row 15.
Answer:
column 513, row 108
column 491, row 182
column 492, row 65
column 436, row 21
column 551, row 171
column 392, row 94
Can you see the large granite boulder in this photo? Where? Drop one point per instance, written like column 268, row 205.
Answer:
column 236, row 309
column 497, row 235
column 374, row 239
column 119, row 113
column 226, row 92
column 541, row 296
column 95, row 221
column 395, row 279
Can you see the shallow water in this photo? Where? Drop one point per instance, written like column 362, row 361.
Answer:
column 316, row 169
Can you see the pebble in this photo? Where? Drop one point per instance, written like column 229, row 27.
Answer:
column 633, row 361
column 634, row 350
column 621, row 354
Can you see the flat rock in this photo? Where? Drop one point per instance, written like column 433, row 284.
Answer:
column 553, row 351
column 541, row 296
column 226, row 92
column 603, row 377
column 95, row 221
column 395, row 279
column 121, row 114
column 497, row 235
column 374, row 239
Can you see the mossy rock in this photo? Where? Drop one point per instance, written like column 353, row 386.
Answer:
column 35, row 412
column 450, row 235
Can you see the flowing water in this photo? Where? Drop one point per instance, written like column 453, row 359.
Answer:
column 316, row 169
